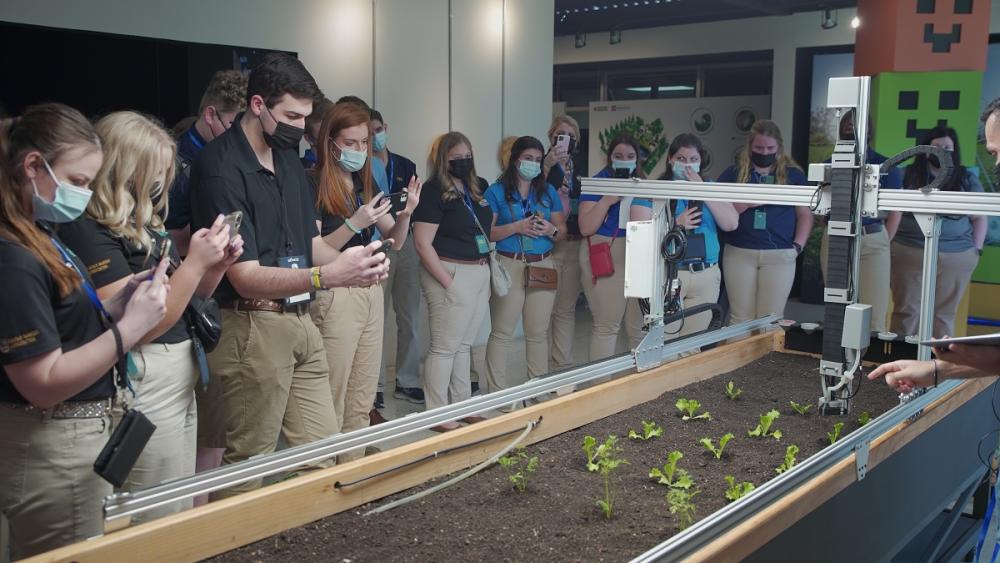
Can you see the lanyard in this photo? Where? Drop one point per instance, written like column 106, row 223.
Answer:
column 467, row 199
column 392, row 177
column 197, row 143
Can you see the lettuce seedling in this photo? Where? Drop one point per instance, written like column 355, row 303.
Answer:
column 691, row 406
column 732, row 391
column 604, row 459
column 670, row 475
column 865, row 418
column 650, row 430
column 519, row 468
column 790, row 453
column 681, row 506
column 763, row 429
column 736, row 491
column 833, row 436
column 710, row 446
column 801, row 409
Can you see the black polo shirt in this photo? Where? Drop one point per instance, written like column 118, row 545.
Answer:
column 457, row 230
column 109, row 258
column 330, row 222
column 36, row 320
column 399, row 170
column 278, row 211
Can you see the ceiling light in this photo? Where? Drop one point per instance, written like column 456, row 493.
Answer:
column 645, row 89
column 829, row 20
column 856, row 22
column 676, row 88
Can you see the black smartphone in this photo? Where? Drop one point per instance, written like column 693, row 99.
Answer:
column 398, row 201
column 622, row 173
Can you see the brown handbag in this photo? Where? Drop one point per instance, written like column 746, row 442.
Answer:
column 535, row 277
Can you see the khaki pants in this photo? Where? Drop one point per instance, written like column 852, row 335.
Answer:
column 273, row 377
column 697, row 288
column 456, row 315
column 757, row 281
column 954, row 270
column 403, row 287
column 534, row 307
column 608, row 304
column 50, row 493
column 875, row 265
column 164, row 392
column 566, row 261
column 350, row 321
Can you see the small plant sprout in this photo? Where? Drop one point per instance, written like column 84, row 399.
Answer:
column 604, row 459
column 790, row 453
column 649, row 430
column 681, row 506
column 710, row 446
column 865, row 418
column 732, row 391
column 835, row 435
column 691, row 406
column 736, row 491
column 670, row 475
column 763, row 429
column 519, row 468
column 801, row 409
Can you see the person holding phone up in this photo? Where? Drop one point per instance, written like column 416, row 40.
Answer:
column 528, row 220
column 350, row 208
column 122, row 234
column 58, row 341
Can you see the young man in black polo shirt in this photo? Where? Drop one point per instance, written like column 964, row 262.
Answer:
column 269, row 370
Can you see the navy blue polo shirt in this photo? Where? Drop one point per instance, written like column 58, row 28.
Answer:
column 188, row 147
column 779, row 231
column 893, row 180
column 398, row 171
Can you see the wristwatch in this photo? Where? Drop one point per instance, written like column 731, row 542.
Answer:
column 555, row 232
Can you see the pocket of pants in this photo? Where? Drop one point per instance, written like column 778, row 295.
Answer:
column 244, row 348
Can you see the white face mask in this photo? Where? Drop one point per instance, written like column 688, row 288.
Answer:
column 70, row 201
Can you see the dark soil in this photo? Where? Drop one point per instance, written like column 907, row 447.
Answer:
column 556, row 519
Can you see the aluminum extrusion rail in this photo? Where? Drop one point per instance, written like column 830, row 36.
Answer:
column 778, row 194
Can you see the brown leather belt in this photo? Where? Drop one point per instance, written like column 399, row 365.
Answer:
column 529, row 258
column 268, row 305
column 479, row 262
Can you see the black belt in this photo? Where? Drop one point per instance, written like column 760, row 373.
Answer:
column 267, row 305
column 697, row 266
column 872, row 228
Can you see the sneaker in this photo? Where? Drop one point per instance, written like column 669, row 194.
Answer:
column 379, row 400
column 475, row 388
column 414, row 395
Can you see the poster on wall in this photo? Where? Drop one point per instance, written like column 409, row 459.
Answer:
column 722, row 124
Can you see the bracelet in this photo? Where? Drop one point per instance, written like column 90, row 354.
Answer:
column 119, row 345
column 934, row 361
column 316, row 277
column 353, row 229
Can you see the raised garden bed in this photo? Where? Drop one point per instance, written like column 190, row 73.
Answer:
column 556, row 518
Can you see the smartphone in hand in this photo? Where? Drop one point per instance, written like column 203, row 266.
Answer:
column 234, row 220
column 398, row 202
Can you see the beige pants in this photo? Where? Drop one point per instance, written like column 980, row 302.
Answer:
column 607, row 302
column 875, row 265
column 164, row 392
column 350, row 319
column 50, row 494
column 456, row 315
column 273, row 377
column 954, row 270
column 697, row 288
column 566, row 261
column 757, row 281
column 403, row 288
column 534, row 307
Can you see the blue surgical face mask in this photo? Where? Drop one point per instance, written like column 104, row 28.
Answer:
column 70, row 201
column 529, row 169
column 678, row 168
column 351, row 160
column 626, row 164
column 379, row 140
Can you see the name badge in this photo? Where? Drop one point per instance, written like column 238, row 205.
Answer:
column 482, row 244
column 295, row 263
column 759, row 219
column 527, row 244
column 767, row 179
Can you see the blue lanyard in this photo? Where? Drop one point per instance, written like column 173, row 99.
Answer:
column 195, row 140
column 392, row 167
column 525, row 208
column 467, row 199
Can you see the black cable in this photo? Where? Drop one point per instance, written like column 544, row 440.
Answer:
column 816, row 198
column 860, row 377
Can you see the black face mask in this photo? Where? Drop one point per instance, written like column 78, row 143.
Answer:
column 285, row 136
column 763, row 160
column 460, row 167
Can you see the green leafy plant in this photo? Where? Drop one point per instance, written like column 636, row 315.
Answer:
column 790, row 453
column 763, row 429
column 604, row 459
column 835, row 435
column 670, row 475
column 691, row 406
column 519, row 468
column 710, row 446
column 865, row 418
column 736, row 491
column 650, row 430
column 681, row 506
column 801, row 409
column 732, row 391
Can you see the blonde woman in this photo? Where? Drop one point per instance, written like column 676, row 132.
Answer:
column 451, row 229
column 121, row 234
column 759, row 259
column 351, row 319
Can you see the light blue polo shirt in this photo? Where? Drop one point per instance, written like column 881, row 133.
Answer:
column 501, row 206
column 707, row 227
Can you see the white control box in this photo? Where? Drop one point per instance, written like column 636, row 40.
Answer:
column 641, row 255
